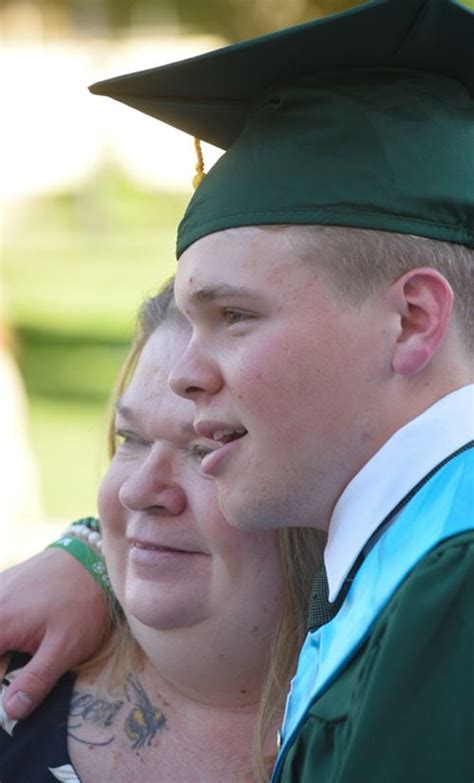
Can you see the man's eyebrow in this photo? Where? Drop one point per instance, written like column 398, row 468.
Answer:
column 208, row 294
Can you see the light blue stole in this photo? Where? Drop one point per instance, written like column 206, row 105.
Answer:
column 439, row 510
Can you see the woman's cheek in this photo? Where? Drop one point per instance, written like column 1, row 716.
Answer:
column 110, row 509
column 115, row 548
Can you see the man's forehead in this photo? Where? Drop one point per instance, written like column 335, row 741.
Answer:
column 213, row 261
column 244, row 262
column 208, row 274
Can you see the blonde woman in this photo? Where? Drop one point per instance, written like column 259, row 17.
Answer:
column 194, row 673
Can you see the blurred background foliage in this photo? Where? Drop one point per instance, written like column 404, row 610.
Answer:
column 76, row 266
column 229, row 19
column 80, row 253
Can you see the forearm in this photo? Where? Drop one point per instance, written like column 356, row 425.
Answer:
column 52, row 608
column 82, row 539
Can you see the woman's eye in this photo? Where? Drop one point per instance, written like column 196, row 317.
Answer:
column 235, row 317
column 199, row 452
column 125, row 438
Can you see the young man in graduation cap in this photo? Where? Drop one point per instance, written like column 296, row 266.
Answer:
column 326, row 267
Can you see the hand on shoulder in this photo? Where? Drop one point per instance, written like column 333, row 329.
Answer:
column 53, row 609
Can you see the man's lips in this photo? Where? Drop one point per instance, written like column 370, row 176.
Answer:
column 212, row 463
column 228, row 435
column 219, row 431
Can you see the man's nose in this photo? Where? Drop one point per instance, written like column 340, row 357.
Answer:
column 195, row 375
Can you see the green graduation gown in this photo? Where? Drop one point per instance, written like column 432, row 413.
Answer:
column 403, row 709
column 384, row 693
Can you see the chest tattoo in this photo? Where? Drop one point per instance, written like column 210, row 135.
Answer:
column 132, row 717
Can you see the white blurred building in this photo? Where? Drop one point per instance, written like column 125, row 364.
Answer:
column 54, row 133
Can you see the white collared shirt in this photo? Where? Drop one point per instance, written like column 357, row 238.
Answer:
column 404, row 460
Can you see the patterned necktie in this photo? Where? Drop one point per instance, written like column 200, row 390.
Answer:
column 321, row 610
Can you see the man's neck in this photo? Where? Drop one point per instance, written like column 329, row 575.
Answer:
column 404, row 460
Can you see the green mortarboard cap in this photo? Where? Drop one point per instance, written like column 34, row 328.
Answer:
column 362, row 119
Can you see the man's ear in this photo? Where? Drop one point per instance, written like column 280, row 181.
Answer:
column 423, row 300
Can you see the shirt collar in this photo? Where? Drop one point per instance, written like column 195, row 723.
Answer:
column 409, row 455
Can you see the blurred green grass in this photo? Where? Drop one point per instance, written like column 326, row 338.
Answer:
column 76, row 267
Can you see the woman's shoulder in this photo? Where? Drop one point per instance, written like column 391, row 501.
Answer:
column 36, row 747
column 11, row 661
column 6, row 723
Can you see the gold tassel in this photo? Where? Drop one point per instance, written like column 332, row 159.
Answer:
column 200, row 174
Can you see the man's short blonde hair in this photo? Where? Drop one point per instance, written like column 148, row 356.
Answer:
column 356, row 263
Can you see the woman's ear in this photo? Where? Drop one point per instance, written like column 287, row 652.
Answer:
column 423, row 299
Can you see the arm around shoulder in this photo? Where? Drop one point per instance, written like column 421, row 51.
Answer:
column 53, row 609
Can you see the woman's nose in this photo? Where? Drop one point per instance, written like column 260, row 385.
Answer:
column 152, row 487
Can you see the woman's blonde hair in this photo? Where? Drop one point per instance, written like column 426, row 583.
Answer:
column 300, row 551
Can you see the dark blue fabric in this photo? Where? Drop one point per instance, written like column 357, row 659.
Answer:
column 40, row 741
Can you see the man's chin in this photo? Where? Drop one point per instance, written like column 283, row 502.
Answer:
column 237, row 510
